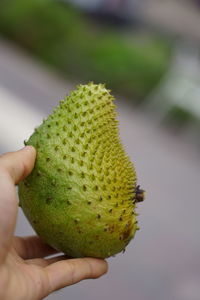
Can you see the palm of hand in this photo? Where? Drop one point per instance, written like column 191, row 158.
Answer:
column 25, row 273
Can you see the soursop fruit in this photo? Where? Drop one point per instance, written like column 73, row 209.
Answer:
column 82, row 193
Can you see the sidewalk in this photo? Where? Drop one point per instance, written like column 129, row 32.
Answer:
column 163, row 260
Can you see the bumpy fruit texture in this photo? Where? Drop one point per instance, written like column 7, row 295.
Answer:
column 81, row 196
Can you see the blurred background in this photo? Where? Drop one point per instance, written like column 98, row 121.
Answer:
column 148, row 53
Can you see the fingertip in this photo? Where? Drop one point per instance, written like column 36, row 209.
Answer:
column 99, row 266
column 104, row 265
column 30, row 149
column 28, row 156
column 18, row 164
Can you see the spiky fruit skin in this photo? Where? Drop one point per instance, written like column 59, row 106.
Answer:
column 80, row 195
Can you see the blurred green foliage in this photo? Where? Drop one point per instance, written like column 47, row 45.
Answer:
column 131, row 64
column 179, row 118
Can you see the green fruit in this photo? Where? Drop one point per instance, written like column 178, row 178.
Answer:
column 81, row 195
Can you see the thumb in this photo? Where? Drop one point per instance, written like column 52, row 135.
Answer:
column 17, row 165
column 14, row 167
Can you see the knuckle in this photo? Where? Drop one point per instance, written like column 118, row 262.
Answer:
column 72, row 267
column 90, row 269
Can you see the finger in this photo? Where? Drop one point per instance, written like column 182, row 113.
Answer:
column 32, row 247
column 68, row 272
column 18, row 164
column 44, row 262
column 13, row 167
column 63, row 273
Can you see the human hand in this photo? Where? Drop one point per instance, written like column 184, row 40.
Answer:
column 24, row 272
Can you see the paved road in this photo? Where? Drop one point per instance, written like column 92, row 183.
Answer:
column 179, row 17
column 163, row 262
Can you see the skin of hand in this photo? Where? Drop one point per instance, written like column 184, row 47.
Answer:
column 26, row 273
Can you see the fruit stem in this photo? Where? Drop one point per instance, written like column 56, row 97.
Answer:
column 139, row 195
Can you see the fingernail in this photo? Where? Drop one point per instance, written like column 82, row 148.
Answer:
column 28, row 148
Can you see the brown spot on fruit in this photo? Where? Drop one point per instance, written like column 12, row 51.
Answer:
column 127, row 232
column 49, row 200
